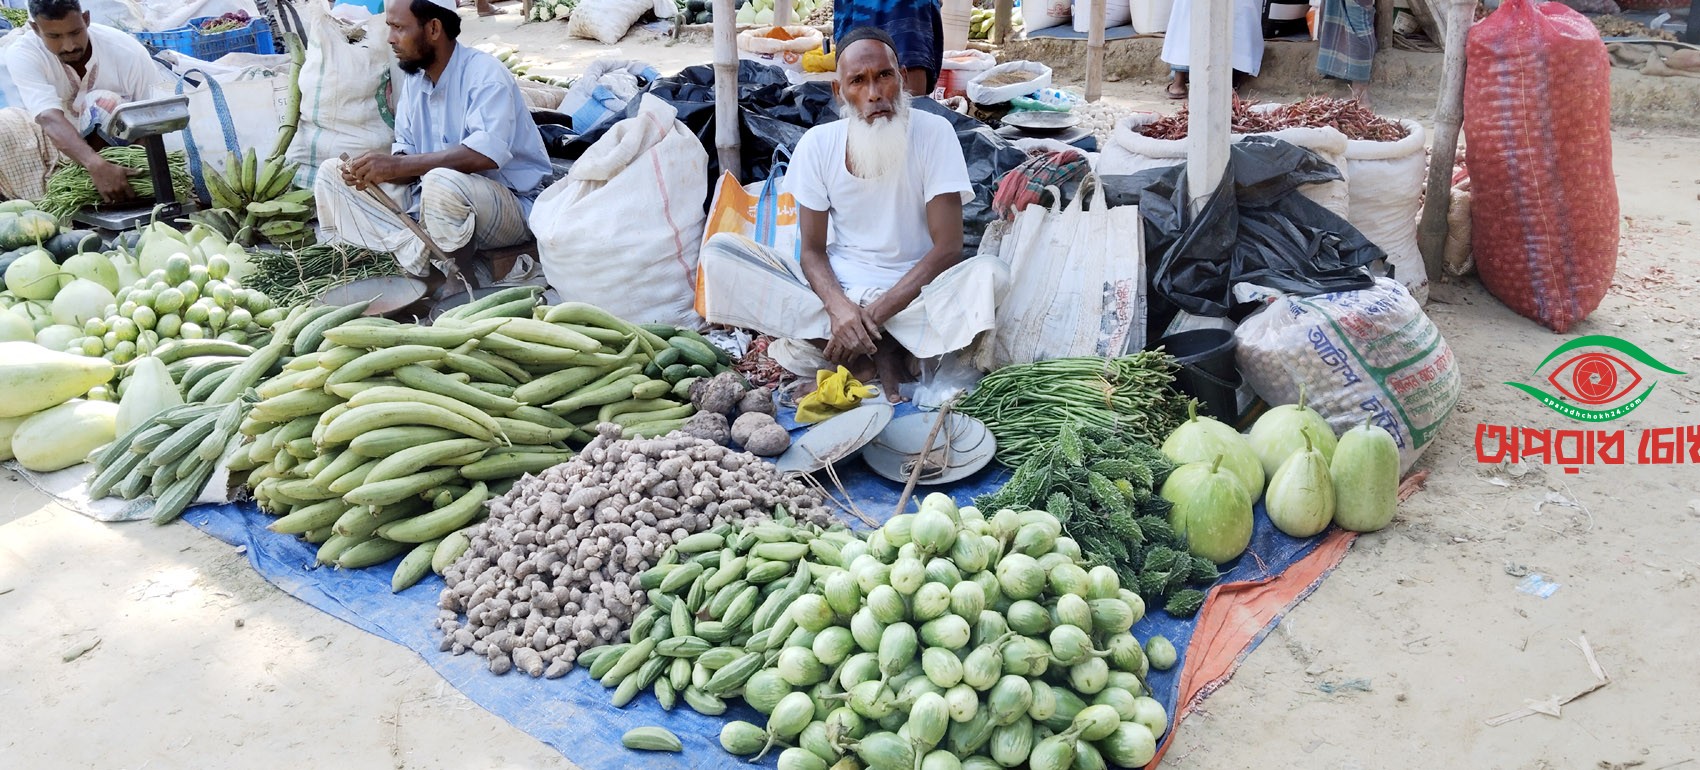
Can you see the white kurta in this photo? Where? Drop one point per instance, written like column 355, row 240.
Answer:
column 1247, row 55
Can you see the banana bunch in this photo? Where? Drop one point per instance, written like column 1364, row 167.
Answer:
column 980, row 23
column 258, row 197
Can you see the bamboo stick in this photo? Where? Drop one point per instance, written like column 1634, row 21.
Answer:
column 1002, row 11
column 1448, row 119
column 1095, row 52
column 726, row 133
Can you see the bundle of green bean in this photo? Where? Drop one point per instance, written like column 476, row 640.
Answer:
column 70, row 189
column 301, row 276
column 1025, row 405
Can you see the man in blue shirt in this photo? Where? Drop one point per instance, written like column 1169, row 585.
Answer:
column 914, row 25
column 467, row 161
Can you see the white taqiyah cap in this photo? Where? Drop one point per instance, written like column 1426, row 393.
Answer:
column 449, row 4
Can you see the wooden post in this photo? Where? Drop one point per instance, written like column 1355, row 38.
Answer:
column 782, row 13
column 1095, row 52
column 1209, row 97
column 1691, row 34
column 726, row 132
column 1383, row 24
column 1449, row 116
column 1002, row 10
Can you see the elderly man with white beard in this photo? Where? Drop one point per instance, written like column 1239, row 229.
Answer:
column 882, row 279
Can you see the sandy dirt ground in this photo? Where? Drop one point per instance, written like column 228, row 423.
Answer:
column 1395, row 662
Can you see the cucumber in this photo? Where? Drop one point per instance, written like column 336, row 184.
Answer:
column 384, row 442
column 693, row 350
column 307, row 340
column 414, row 566
column 500, row 465
column 439, row 523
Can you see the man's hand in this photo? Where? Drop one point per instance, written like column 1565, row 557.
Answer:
column 854, row 332
column 371, row 169
column 113, row 181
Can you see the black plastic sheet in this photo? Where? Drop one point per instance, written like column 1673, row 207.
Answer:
column 1254, row 229
column 773, row 114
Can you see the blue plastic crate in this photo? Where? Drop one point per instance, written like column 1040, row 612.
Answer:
column 255, row 38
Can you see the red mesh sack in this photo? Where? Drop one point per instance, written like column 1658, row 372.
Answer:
column 1537, row 111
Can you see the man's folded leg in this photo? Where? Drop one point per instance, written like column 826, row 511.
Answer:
column 951, row 311
column 460, row 210
column 27, row 156
column 347, row 215
column 751, row 286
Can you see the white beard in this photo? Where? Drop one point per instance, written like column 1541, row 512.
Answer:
column 880, row 147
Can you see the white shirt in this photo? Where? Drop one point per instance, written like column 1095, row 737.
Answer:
column 877, row 228
column 117, row 63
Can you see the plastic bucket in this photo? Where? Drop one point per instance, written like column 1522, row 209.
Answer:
column 1207, row 370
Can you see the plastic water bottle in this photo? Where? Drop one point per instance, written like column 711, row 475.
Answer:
column 1057, row 98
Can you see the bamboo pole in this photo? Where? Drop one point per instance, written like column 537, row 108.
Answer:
column 1209, row 99
column 1449, row 117
column 1383, row 24
column 726, row 133
column 782, row 13
column 1002, row 11
column 1095, row 52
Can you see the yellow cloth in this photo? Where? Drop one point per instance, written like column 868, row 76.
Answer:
column 835, row 393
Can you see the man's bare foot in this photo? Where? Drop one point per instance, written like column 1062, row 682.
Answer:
column 486, row 9
column 892, row 362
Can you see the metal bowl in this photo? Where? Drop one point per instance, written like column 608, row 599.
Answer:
column 1041, row 122
column 839, row 438
column 388, row 294
column 961, row 448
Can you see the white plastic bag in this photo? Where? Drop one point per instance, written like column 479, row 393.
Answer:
column 1369, row 354
column 343, row 99
column 755, row 45
column 606, row 21
column 979, row 92
column 1076, row 283
column 1129, row 152
column 601, row 94
column 623, row 228
column 1386, row 195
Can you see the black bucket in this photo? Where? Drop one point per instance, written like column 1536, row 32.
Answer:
column 1207, row 370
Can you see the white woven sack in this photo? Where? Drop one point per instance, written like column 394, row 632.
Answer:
column 1386, row 199
column 1039, row 14
column 1358, row 355
column 606, row 21
column 981, row 93
column 1130, row 152
column 623, row 228
column 341, row 88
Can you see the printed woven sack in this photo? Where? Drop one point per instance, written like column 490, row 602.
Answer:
column 1543, row 200
column 763, row 212
column 1358, row 355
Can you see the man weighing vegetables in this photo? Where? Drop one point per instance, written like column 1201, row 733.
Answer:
column 70, row 75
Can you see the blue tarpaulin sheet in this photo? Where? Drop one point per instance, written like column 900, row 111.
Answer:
column 572, row 714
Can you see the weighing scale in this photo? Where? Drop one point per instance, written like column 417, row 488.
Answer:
column 145, row 123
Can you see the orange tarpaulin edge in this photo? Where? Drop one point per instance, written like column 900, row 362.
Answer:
column 1236, row 616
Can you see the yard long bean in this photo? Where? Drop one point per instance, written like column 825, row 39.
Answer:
column 1025, row 406
column 71, row 189
column 295, row 277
